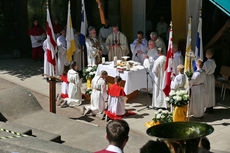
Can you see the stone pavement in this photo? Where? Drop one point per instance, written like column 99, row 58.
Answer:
column 26, row 73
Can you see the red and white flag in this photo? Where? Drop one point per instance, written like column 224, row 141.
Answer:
column 51, row 47
column 169, row 73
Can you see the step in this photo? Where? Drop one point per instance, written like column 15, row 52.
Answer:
column 10, row 148
column 40, row 134
column 41, row 145
column 16, row 128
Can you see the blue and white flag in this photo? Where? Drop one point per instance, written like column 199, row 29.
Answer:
column 84, row 24
column 199, row 43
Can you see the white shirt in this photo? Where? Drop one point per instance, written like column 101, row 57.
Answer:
column 113, row 148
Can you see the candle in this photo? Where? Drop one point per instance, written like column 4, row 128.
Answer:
column 115, row 60
column 103, row 60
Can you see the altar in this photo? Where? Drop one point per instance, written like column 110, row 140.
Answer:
column 133, row 80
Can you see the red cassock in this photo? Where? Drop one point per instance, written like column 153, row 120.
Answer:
column 37, row 51
column 104, row 151
column 116, row 91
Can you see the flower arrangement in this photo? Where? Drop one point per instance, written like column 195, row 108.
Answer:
column 88, row 92
column 162, row 116
column 189, row 74
column 89, row 72
column 178, row 98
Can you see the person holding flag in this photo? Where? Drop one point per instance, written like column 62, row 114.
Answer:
column 71, row 46
column 169, row 70
column 50, row 49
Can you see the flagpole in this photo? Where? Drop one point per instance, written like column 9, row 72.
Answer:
column 52, row 86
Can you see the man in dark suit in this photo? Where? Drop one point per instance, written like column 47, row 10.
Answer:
column 117, row 133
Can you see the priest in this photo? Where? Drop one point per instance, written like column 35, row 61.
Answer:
column 94, row 48
column 158, row 41
column 158, row 100
column 138, row 48
column 117, row 44
column 62, row 47
column 77, row 56
column 177, row 57
column 99, row 94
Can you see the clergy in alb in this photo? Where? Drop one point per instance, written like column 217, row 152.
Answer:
column 158, row 41
column 117, row 44
column 138, row 47
column 62, row 47
column 151, row 53
column 77, row 56
column 94, row 48
column 99, row 94
column 198, row 93
column 74, row 91
column 177, row 57
column 209, row 68
column 158, row 100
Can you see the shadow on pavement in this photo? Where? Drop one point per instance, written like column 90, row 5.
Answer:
column 21, row 68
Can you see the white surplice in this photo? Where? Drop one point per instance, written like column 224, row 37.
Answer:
column 103, row 35
column 120, row 50
column 74, row 92
column 178, row 59
column 77, row 54
column 62, row 47
column 116, row 105
column 178, row 82
column 136, row 47
column 198, row 94
column 99, row 95
column 158, row 100
column 209, row 68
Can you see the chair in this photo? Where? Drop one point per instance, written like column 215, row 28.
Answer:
column 223, row 80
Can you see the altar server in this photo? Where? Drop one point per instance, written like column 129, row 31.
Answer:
column 198, row 94
column 117, row 44
column 138, row 47
column 177, row 57
column 74, row 92
column 209, row 68
column 37, row 36
column 99, row 94
column 62, row 47
column 94, row 48
column 158, row 100
column 180, row 79
column 116, row 101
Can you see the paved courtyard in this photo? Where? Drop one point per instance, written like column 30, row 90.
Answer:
column 28, row 74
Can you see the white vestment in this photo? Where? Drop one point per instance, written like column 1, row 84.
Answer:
column 160, row 44
column 74, row 92
column 158, row 100
column 119, row 45
column 209, row 68
column 103, row 35
column 62, row 47
column 99, row 94
column 178, row 82
column 77, row 54
column 198, row 94
column 178, row 59
column 116, row 105
column 92, row 51
column 138, row 47
column 48, row 67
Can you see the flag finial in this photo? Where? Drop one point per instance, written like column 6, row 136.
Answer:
column 47, row 3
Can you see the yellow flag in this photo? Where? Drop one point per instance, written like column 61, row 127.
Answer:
column 71, row 46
